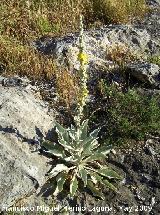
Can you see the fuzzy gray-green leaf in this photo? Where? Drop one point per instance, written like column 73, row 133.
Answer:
column 84, row 130
column 97, row 177
column 87, row 144
column 54, row 149
column 95, row 156
column 73, row 186
column 59, row 128
column 102, row 181
column 95, row 133
column 83, row 175
column 58, row 153
column 65, row 145
column 71, row 159
column 61, row 178
column 62, row 132
column 57, row 169
column 109, row 185
column 48, row 145
column 94, row 190
column 105, row 149
column 109, row 173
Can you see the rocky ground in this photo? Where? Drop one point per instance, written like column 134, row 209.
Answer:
column 139, row 191
column 138, row 163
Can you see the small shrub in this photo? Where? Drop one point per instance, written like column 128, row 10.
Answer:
column 130, row 115
column 154, row 59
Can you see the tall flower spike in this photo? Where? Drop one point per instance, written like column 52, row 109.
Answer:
column 83, row 60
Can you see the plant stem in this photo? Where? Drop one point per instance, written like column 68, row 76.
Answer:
column 82, row 57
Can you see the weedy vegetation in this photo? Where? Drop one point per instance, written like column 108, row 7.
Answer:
column 128, row 115
column 82, row 158
column 25, row 20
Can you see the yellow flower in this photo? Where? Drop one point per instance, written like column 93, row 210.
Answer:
column 85, row 93
column 83, row 57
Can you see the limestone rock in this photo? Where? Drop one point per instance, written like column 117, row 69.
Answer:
column 146, row 72
column 135, row 40
column 23, row 119
column 97, row 41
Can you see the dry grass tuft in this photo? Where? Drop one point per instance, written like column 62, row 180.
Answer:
column 26, row 19
column 120, row 54
column 22, row 21
column 67, row 87
column 122, row 11
column 24, row 61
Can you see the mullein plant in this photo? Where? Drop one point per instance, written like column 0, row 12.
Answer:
column 80, row 156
